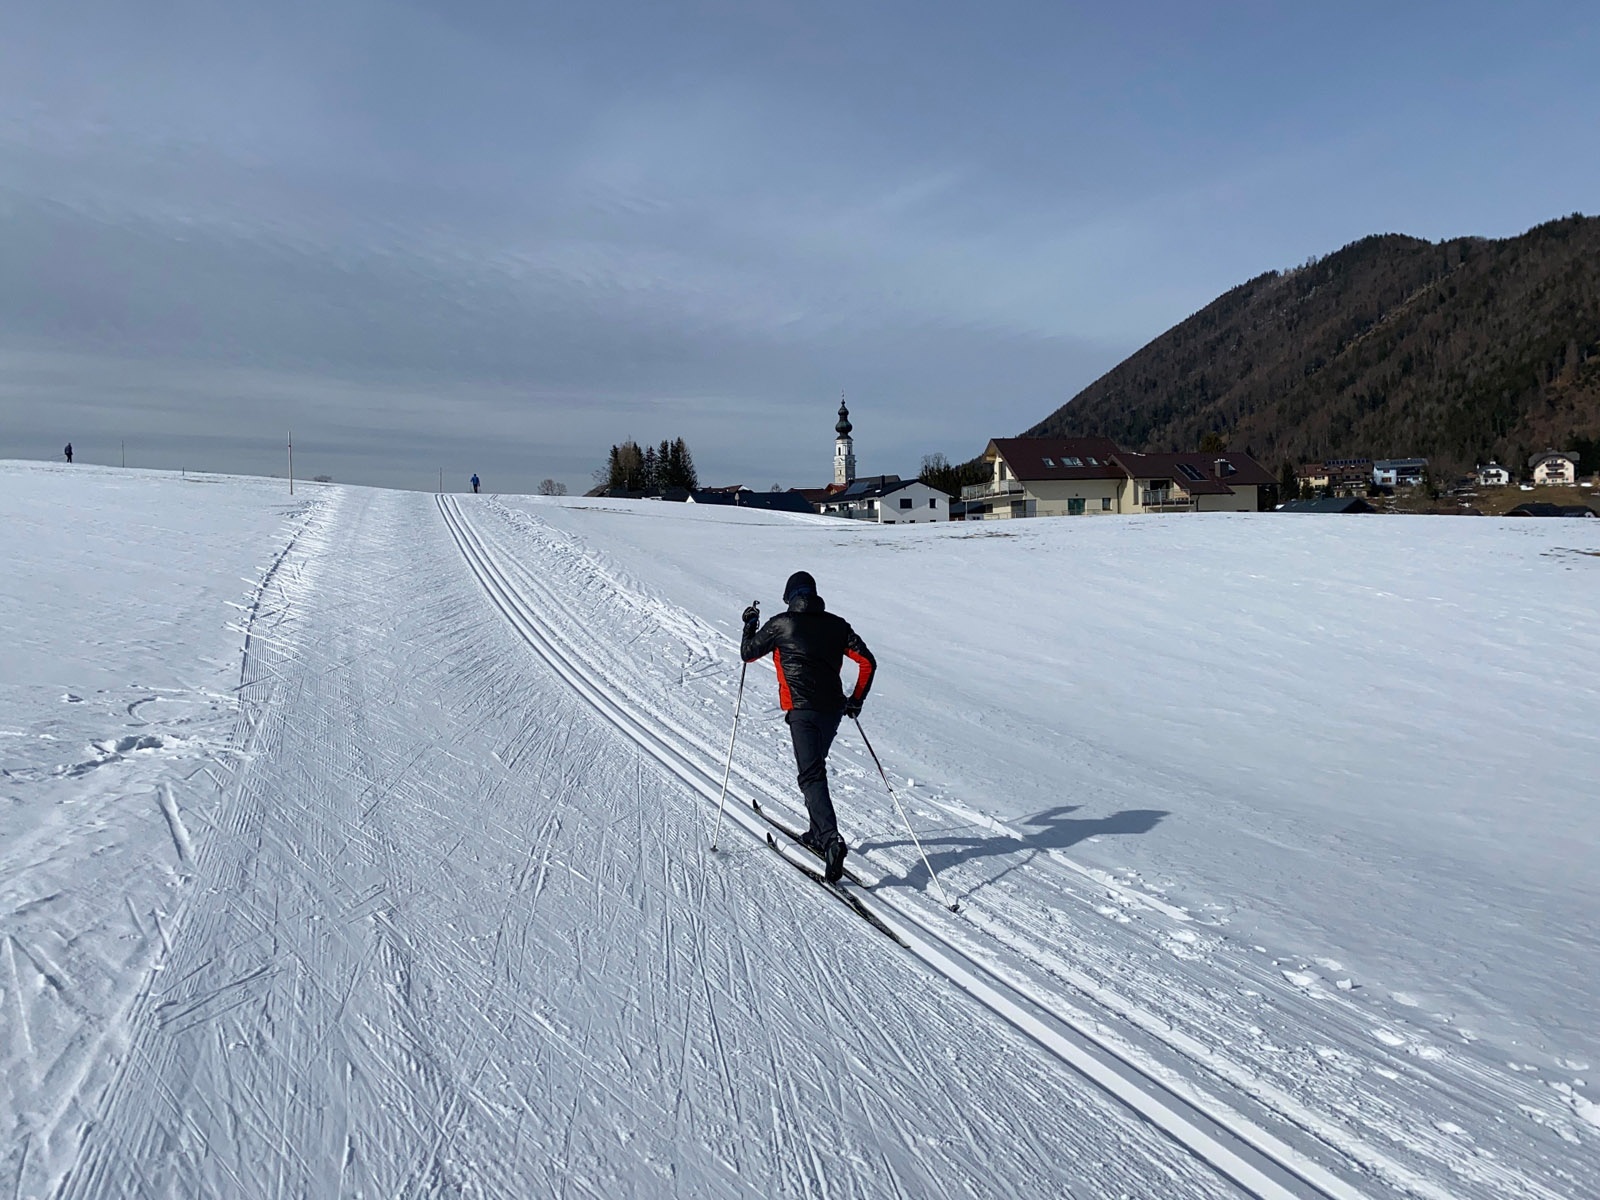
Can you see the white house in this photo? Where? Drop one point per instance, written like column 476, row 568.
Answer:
column 1493, row 475
column 1399, row 472
column 889, row 502
column 1555, row 467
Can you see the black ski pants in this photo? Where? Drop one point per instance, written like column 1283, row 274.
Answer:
column 813, row 731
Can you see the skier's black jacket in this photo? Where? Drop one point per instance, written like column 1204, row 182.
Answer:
column 808, row 646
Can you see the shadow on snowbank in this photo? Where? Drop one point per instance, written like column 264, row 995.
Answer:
column 1050, row 830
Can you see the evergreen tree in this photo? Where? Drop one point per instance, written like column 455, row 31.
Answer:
column 652, row 469
column 1288, row 482
column 681, row 466
column 625, row 470
column 939, row 474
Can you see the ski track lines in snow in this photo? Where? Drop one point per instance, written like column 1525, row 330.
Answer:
column 79, row 958
column 1249, row 1156
column 452, row 935
column 1222, row 1007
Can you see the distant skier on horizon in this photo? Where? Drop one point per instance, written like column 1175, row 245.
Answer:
column 68, row 452
column 474, row 483
column 808, row 645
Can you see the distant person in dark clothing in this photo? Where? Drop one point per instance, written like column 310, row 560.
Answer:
column 68, row 451
column 808, row 646
column 474, row 485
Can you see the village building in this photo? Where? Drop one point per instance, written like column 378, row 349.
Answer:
column 1071, row 477
column 1558, row 467
column 844, row 449
column 1399, row 472
column 1329, row 504
column 743, row 497
column 1493, row 475
column 1538, row 508
column 888, row 501
column 1337, row 476
column 1045, row 477
column 1159, row 483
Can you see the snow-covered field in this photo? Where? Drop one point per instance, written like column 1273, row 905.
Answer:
column 356, row 843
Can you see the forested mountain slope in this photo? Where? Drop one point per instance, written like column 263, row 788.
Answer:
column 1459, row 350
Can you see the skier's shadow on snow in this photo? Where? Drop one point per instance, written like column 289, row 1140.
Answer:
column 1052, row 829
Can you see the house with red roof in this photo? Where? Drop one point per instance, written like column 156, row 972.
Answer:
column 1045, row 477
column 1163, row 483
column 1069, row 477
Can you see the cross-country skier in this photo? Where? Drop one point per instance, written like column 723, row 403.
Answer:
column 68, row 451
column 474, row 483
column 808, row 646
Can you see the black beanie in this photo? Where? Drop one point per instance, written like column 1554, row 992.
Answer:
column 799, row 582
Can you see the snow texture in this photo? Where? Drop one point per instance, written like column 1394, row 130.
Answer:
column 357, row 843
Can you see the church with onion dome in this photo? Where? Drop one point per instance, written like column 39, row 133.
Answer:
column 885, row 499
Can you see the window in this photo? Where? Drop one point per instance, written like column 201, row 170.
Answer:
column 1093, row 462
column 1105, row 503
column 1189, row 472
column 1075, row 506
column 905, row 502
column 1049, row 462
column 933, row 503
column 1072, row 462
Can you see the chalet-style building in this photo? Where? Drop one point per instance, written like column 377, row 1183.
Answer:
column 1493, row 475
column 1399, row 472
column 1221, row 482
column 1555, row 467
column 888, row 501
column 1337, row 476
column 1070, row 477
column 1045, row 477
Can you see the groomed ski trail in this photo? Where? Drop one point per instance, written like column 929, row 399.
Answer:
column 452, row 935
column 1251, row 1157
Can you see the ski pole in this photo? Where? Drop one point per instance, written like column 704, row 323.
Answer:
column 939, row 887
column 738, row 700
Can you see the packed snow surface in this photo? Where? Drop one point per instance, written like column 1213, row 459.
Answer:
column 357, row 842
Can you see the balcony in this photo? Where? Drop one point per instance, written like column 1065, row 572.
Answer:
column 1165, row 502
column 990, row 488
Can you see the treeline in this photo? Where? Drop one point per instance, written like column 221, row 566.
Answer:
column 942, row 475
column 651, row 469
column 1457, row 351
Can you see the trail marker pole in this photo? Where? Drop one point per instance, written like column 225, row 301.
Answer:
column 291, row 462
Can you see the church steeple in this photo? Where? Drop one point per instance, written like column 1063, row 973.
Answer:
column 844, row 452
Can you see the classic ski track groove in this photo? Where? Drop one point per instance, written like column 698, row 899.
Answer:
column 1244, row 1153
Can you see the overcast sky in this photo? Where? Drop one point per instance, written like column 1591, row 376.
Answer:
column 501, row 236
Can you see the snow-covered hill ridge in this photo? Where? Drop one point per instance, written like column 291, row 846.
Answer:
column 470, row 920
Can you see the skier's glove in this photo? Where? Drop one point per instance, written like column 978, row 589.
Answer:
column 852, row 709
column 752, row 616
